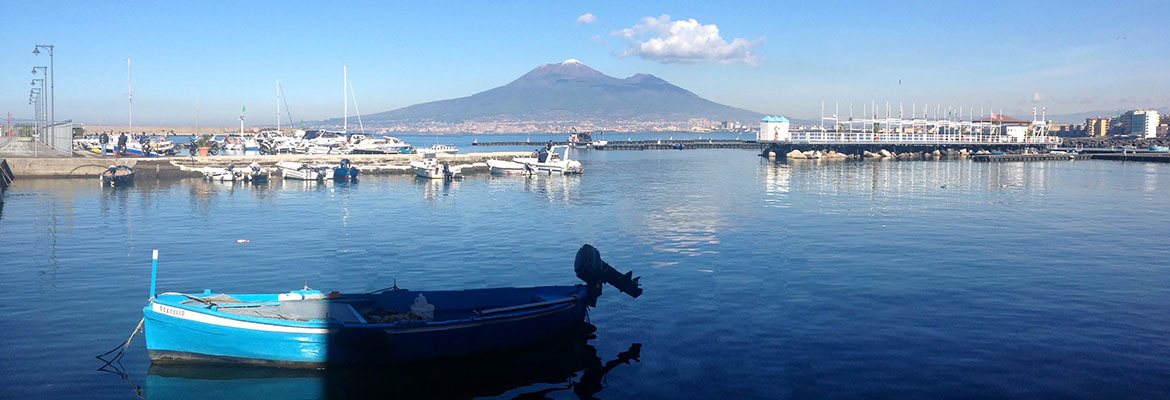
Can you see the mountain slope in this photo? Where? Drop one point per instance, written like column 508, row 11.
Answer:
column 571, row 91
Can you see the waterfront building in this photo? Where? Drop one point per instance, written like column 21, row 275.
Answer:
column 773, row 129
column 1141, row 123
column 1096, row 127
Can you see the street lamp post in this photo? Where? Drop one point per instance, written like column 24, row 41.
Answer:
column 52, row 81
column 45, row 71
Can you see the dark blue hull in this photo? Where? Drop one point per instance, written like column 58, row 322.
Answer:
column 465, row 323
column 345, row 174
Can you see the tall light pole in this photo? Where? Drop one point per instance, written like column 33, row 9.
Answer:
column 44, row 70
column 52, row 80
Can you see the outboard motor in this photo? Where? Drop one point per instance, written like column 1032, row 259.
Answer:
column 594, row 271
column 231, row 166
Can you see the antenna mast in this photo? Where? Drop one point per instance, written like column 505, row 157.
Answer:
column 130, row 88
column 278, row 104
column 345, row 98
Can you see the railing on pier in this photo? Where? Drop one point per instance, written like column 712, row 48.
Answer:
column 836, row 137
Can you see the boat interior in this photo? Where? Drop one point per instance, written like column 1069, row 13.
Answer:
column 390, row 306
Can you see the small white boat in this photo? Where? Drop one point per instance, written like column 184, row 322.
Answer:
column 501, row 167
column 549, row 162
column 431, row 168
column 302, row 171
column 440, row 149
column 222, row 174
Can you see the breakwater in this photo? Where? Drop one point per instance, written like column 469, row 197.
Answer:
column 179, row 167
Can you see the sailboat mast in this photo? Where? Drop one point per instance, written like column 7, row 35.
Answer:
column 345, row 98
column 278, row 104
column 130, row 93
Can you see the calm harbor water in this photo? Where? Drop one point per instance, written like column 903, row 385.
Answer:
column 910, row 279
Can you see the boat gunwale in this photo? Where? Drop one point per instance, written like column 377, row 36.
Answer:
column 478, row 316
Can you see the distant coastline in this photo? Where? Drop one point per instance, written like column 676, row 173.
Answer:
column 178, row 130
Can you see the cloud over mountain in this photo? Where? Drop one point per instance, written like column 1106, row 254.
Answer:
column 684, row 42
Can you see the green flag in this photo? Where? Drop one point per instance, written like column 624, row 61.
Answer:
column 243, row 108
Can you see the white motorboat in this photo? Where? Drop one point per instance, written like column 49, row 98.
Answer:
column 431, row 168
column 501, row 167
column 440, row 149
column 228, row 174
column 302, row 171
column 382, row 145
column 549, row 162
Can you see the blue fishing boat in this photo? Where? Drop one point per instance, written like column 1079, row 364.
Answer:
column 308, row 328
column 345, row 171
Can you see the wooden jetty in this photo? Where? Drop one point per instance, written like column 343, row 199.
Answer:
column 1143, row 157
column 1028, row 157
column 681, row 145
column 518, row 143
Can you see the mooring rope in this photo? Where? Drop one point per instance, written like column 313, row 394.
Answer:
column 121, row 349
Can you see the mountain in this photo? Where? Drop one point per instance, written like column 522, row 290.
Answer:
column 571, row 91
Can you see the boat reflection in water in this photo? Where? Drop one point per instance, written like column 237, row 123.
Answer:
column 562, row 364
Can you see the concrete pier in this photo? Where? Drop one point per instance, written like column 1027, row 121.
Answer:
column 177, row 167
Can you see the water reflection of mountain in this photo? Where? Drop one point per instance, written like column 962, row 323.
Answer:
column 531, row 372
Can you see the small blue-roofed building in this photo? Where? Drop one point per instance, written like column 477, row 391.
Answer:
column 773, row 129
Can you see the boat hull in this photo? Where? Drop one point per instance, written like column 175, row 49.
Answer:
column 183, row 334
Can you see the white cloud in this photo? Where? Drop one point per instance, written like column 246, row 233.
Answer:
column 1038, row 97
column 684, row 42
column 586, row 18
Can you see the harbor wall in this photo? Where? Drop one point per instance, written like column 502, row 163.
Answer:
column 180, row 167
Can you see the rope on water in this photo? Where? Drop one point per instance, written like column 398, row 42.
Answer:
column 121, row 349
column 114, row 365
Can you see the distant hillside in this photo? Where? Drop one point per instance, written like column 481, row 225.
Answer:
column 571, row 91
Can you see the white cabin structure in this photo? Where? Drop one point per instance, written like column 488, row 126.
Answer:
column 774, row 129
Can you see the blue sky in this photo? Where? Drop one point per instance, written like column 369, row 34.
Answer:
column 773, row 58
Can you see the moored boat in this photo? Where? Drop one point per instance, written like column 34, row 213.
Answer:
column 118, row 175
column 431, row 168
column 440, row 149
column 549, row 162
column 345, row 171
column 307, row 328
column 302, row 171
column 501, row 167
